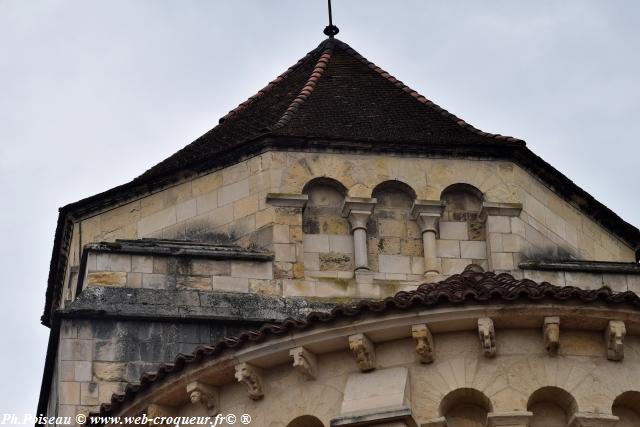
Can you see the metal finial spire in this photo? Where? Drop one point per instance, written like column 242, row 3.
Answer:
column 330, row 30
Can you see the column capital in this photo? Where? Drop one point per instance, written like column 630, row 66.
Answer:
column 427, row 213
column 358, row 210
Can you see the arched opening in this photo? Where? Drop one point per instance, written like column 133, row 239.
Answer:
column 327, row 242
column 551, row 407
column 462, row 228
column 305, row 421
column 394, row 239
column 465, row 407
column 627, row 408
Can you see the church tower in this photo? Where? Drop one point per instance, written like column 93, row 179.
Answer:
column 431, row 273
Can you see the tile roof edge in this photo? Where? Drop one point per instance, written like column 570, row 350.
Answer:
column 422, row 99
column 309, row 86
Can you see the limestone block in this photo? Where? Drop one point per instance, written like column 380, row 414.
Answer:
column 502, row 261
column 113, row 262
column 186, row 210
column 134, row 280
column 141, row 264
column 335, row 262
column 511, row 243
column 202, row 283
column 315, row 243
column 235, row 173
column 69, row 393
column 67, row 370
column 509, row 419
column 285, row 252
column 394, row 264
column 454, row 266
column 411, row 247
column 265, row 287
column 206, row 183
column 246, row 206
column 473, row 249
column 448, row 248
column 417, row 265
column 89, row 394
column 280, row 233
column 633, row 282
column 157, row 221
column 341, row 244
column 454, row 230
column 383, row 388
column 582, row 419
column 109, row 371
column 298, row 288
column 385, row 245
column 265, row 217
column 311, row 261
column 391, row 228
column 252, row 269
column 210, row 267
column 230, row 284
column 154, row 281
column 616, row 282
column 106, row 390
column 206, row 202
column 75, row 349
column 495, row 242
column 82, row 371
column 232, row 192
column 498, row 224
column 517, row 226
column 114, row 278
column 583, row 280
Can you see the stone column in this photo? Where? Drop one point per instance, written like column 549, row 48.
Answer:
column 357, row 210
column 427, row 213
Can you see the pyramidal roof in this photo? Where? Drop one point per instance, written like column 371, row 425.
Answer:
column 333, row 93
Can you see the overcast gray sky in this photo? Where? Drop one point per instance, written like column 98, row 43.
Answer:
column 92, row 93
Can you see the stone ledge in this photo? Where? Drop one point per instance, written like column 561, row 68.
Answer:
column 179, row 248
column 583, row 266
column 384, row 415
column 287, row 200
column 502, row 209
column 166, row 305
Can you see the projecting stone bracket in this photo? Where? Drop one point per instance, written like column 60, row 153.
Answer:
column 487, row 335
column 287, row 200
column 251, row 377
column 304, row 362
column 509, row 419
column 614, row 338
column 424, row 342
column 551, row 331
column 582, row 419
column 204, row 394
column 364, row 351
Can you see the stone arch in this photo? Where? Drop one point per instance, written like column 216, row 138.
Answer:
column 394, row 240
column 627, row 408
column 394, row 185
column 305, row 421
column 465, row 407
column 327, row 242
column 551, row 407
column 463, row 226
column 461, row 197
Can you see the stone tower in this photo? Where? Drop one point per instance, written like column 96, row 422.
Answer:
column 337, row 183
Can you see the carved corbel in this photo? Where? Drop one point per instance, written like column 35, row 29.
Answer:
column 614, row 337
column 250, row 376
column 203, row 394
column 487, row 336
column 304, row 362
column 364, row 350
column 424, row 342
column 551, row 330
